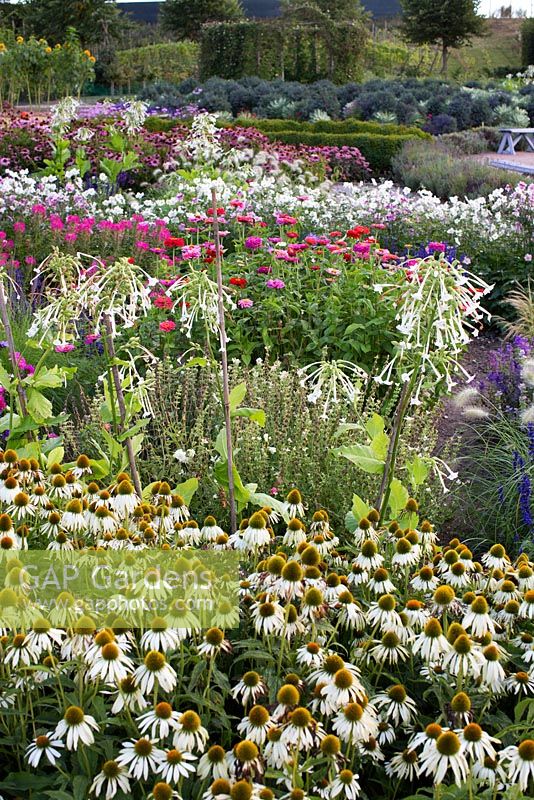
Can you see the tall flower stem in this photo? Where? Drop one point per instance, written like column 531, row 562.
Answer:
column 391, row 457
column 4, row 315
column 122, row 405
column 224, row 363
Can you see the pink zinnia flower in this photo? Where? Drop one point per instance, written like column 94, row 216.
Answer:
column 64, row 348
column 246, row 302
column 275, row 283
column 167, row 326
column 253, row 242
column 19, row 227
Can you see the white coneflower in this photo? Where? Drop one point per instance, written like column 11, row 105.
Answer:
column 331, row 664
column 406, row 554
column 345, row 785
column 445, row 753
column 255, row 726
column 190, row 735
column 356, row 723
column 520, row 762
column 161, row 720
column 520, row 683
column 395, row 705
column 388, row 650
column 345, row 688
column 179, row 511
column 160, row 637
column 213, row 643
column 489, row 772
column 425, row 580
column 290, row 584
column 277, row 753
column 386, row 733
column 128, row 695
column 20, row 652
column 8, row 490
column 256, row 535
column 464, row 657
column 112, row 778
column 431, row 643
column 496, row 558
column 426, row 738
column 125, row 501
column 219, row 790
column 294, row 507
column 46, row 745
column 310, row 655
column 357, row 576
column 210, row 531
column 43, row 636
column 288, row 697
column 416, row 614
column 141, row 758
column 476, row 742
column 77, row 727
column 249, row 688
column 403, row 765
column 314, row 605
column 526, row 609
column 21, row 507
column 525, row 577
column 176, row 764
column 382, row 613
column 111, row 665
column 155, row 668
column 73, row 519
column 213, row 764
column 244, row 760
column 295, row 534
column 268, row 617
column 492, row 673
column 380, row 583
column 301, row 730
column 478, row 619
column 369, row 558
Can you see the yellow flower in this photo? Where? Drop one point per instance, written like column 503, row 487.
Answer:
column 92, row 59
column 2, row 47
column 87, row 52
column 57, row 47
column 20, row 39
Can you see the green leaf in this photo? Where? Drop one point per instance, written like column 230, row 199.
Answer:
column 220, row 443
column 39, row 406
column 417, row 470
column 260, row 499
column 48, row 379
column 220, row 471
column 256, row 415
column 374, row 425
column 133, row 430
column 187, row 489
column 379, row 445
column 237, row 395
column 363, row 457
column 360, row 509
column 55, row 456
column 198, row 361
column 398, row 497
column 5, row 378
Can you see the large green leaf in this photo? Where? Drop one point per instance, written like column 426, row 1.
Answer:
column 379, row 445
column 398, row 497
column 5, row 379
column 187, row 489
column 237, row 395
column 256, row 415
column 39, row 406
column 360, row 508
column 363, row 456
column 374, row 425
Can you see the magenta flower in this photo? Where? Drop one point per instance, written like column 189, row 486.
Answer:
column 253, row 242
column 64, row 348
column 265, row 270
column 91, row 338
column 275, row 283
column 436, row 247
column 246, row 302
column 19, row 227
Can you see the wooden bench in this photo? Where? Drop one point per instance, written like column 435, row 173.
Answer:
column 512, row 136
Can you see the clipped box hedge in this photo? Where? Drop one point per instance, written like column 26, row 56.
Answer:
column 332, row 126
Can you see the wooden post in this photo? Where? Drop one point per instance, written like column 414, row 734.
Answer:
column 122, row 405
column 224, row 362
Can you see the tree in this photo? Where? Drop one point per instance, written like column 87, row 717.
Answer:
column 449, row 23
column 184, row 18
column 321, row 10
column 95, row 21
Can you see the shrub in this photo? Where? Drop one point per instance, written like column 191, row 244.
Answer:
column 441, row 169
column 169, row 62
column 527, row 42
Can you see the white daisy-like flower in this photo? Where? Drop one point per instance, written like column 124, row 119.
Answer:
column 520, row 761
column 161, row 720
column 403, row 765
column 464, row 657
column 444, row 754
column 492, row 673
column 520, row 683
column 382, row 613
column 141, row 758
column 255, row 726
column 160, row 637
column 476, row 743
column 345, row 785
column 249, row 688
column 155, row 668
column 389, row 650
column 395, row 705
column 43, row 637
column 477, row 620
column 431, row 644
column 213, row 764
column 46, row 745
column 526, row 609
column 176, row 764
column 496, row 558
column 112, row 778
column 268, row 617
column 213, row 643
column 128, row 695
column 111, row 665
column 356, row 723
column 20, row 651
column 293, row 506
column 301, row 730
column 77, row 727
column 310, row 655
column 276, row 752
column 189, row 735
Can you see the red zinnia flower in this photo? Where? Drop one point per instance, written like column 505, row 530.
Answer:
column 241, row 282
column 174, row 241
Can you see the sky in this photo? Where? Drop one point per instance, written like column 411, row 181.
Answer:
column 489, row 6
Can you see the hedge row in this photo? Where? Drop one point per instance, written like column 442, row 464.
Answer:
column 376, row 148
column 174, row 61
column 332, row 126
